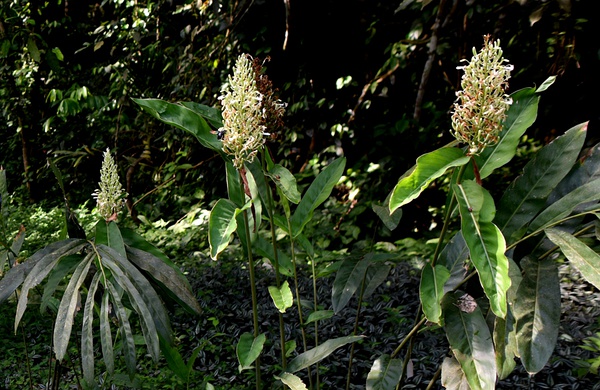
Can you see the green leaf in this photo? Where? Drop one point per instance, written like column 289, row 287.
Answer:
column 183, row 118
column 318, row 315
column 125, row 329
column 105, row 333
column 265, row 248
column 168, row 278
column 68, row 304
column 175, row 361
column 537, row 312
column 221, row 225
column 115, row 240
column 87, row 331
column 282, row 297
column 429, row 167
column 455, row 255
column 471, row 343
column 33, row 49
column 505, row 338
column 291, row 381
column 142, row 296
column 57, row 275
column 485, row 241
column 284, row 179
column 520, row 116
column 385, row 373
column 390, row 220
column 319, row 353
column 211, row 114
column 376, row 274
column 43, row 262
column 348, row 279
column 582, row 257
column 526, row 196
column 248, row 349
column 316, row 194
column 431, row 290
column 453, row 377
column 560, row 209
column 546, row 84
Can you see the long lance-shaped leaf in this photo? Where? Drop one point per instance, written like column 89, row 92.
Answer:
column 248, row 349
column 526, row 196
column 183, row 118
column 68, row 305
column 44, row 261
column 586, row 170
column 65, row 266
column 582, row 257
column 291, row 381
column 264, row 248
column 125, row 329
column 385, row 373
column 453, row 377
column 151, row 312
column 431, row 290
column 520, row 116
column 317, row 193
column 167, row 277
column 348, row 279
column 105, row 333
column 15, row 248
column 537, row 312
column 589, row 192
column 471, row 343
column 87, row 331
column 377, row 273
column 505, row 338
column 429, row 167
column 319, row 353
column 485, row 241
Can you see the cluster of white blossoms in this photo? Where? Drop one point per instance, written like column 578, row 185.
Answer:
column 243, row 122
column 110, row 196
column 480, row 109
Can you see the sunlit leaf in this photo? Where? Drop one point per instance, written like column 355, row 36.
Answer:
column 183, row 118
column 385, row 373
column 318, row 191
column 291, row 381
column 282, row 297
column 581, row 256
column 537, row 312
column 431, row 290
column 520, row 116
column 526, row 196
column 485, row 241
column 319, row 353
column 453, row 377
column 211, row 114
column 284, row 179
column 248, row 349
column 471, row 343
column 68, row 304
column 221, row 225
column 429, row 167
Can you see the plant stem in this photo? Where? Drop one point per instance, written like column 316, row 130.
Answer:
column 410, row 334
column 253, row 292
column 315, row 304
column 271, row 206
column 355, row 330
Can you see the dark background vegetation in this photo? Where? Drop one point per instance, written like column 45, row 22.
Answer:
column 371, row 80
